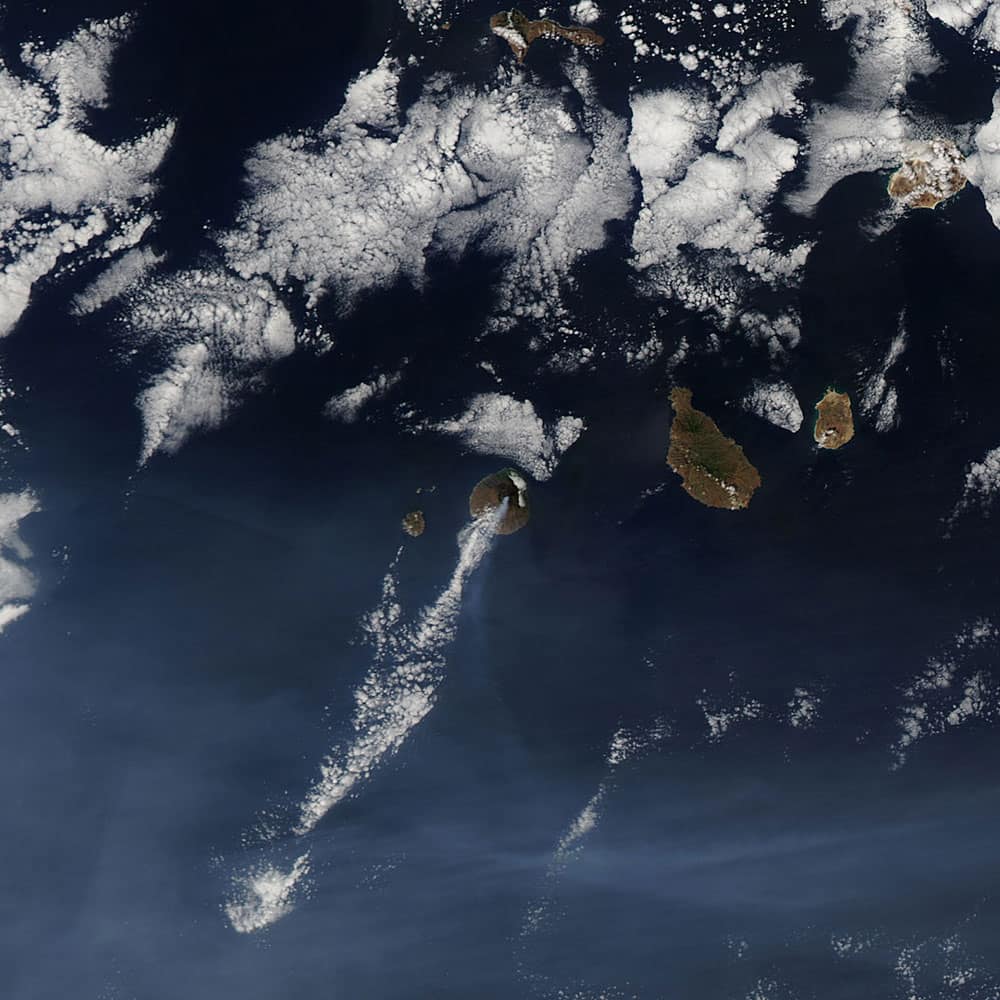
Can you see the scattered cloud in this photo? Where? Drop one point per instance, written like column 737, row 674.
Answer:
column 495, row 424
column 63, row 195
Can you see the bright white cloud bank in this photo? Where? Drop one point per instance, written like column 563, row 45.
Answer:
column 872, row 126
column 219, row 330
column 867, row 129
column 775, row 402
column 494, row 424
column 358, row 205
column 702, row 233
column 61, row 192
column 401, row 686
column 527, row 173
column 346, row 406
column 397, row 692
column 17, row 583
column 585, row 12
column 263, row 895
column 968, row 15
column 983, row 166
column 121, row 275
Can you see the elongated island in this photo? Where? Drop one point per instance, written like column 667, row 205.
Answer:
column 712, row 467
column 519, row 32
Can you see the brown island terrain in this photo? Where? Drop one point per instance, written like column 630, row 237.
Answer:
column 713, row 467
column 491, row 491
column 931, row 173
column 414, row 523
column 834, row 421
column 519, row 32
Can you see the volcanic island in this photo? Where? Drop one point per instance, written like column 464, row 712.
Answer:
column 414, row 523
column 519, row 32
column 931, row 172
column 490, row 492
column 713, row 467
column 834, row 421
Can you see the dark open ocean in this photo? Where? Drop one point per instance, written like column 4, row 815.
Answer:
column 196, row 639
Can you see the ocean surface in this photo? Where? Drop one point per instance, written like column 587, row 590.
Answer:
column 197, row 637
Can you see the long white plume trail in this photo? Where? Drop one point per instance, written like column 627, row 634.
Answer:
column 626, row 745
column 399, row 689
column 397, row 692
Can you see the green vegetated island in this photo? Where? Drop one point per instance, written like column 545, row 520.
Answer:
column 712, row 467
column 518, row 31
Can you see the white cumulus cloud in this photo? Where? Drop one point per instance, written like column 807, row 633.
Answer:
column 980, row 18
column 17, row 582
column 879, row 399
column 949, row 692
column 983, row 166
column 495, row 424
column 522, row 171
column 585, row 12
column 980, row 489
column 62, row 192
column 346, row 406
column 264, row 894
column 868, row 127
column 775, row 402
column 702, row 233
column 221, row 331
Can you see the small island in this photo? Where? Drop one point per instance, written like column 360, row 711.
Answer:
column 414, row 523
column 834, row 421
column 931, row 173
column 712, row 467
column 519, row 32
column 491, row 491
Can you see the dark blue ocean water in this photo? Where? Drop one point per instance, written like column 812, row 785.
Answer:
column 195, row 643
